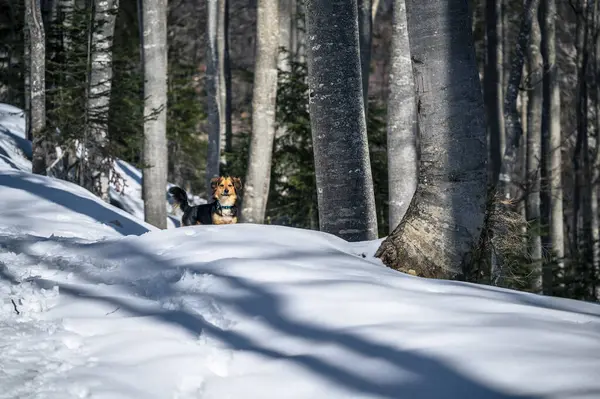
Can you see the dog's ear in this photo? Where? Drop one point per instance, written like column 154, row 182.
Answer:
column 214, row 182
column 237, row 183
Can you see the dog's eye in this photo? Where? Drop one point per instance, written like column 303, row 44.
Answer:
column 221, row 185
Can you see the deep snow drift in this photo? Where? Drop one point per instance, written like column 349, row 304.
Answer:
column 97, row 304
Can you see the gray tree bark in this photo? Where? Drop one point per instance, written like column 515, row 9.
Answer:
column 551, row 143
column 286, row 14
column 99, row 90
column 154, row 25
column 213, row 94
column 401, row 121
column 365, row 32
column 224, row 76
column 514, row 129
column 37, row 84
column 445, row 218
column 258, row 177
column 343, row 172
column 534, row 141
column 494, row 89
column 595, row 195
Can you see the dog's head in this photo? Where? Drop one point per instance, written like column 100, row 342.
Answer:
column 226, row 189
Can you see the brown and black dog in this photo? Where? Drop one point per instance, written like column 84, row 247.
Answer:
column 223, row 210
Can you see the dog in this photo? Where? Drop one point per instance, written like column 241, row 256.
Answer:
column 223, row 210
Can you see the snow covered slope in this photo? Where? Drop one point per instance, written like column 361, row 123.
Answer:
column 15, row 154
column 94, row 304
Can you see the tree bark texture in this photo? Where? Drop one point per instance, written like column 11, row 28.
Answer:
column 514, row 129
column 494, row 89
column 365, row 32
column 551, row 144
column 534, row 141
column 445, row 218
column 401, row 121
column 99, row 90
column 343, row 173
column 154, row 20
column 37, row 84
column 258, row 177
column 213, row 94
column 224, row 76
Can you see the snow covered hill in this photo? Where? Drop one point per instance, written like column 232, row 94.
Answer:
column 15, row 154
column 94, row 303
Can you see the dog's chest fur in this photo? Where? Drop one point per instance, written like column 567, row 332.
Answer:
column 225, row 215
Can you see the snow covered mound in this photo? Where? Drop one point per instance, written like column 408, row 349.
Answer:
column 247, row 311
column 15, row 149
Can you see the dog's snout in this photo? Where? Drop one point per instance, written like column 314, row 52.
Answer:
column 226, row 191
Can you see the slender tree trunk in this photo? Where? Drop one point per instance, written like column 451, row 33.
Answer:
column 595, row 195
column 342, row 167
column 26, row 70
column 534, row 141
column 99, row 90
column 365, row 31
column 258, row 176
column 444, row 220
column 37, row 84
column 154, row 23
column 213, row 94
column 374, row 9
column 514, row 130
column 551, row 144
column 224, row 76
column 286, row 14
column 401, row 121
column 494, row 90
column 227, row 80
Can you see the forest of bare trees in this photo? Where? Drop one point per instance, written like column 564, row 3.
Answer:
column 465, row 132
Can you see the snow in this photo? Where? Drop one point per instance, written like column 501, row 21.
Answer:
column 93, row 308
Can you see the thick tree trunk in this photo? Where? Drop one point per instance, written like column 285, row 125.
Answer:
column 37, row 84
column 534, row 141
column 154, row 19
column 365, row 31
column 213, row 94
column 258, row 177
column 444, row 221
column 401, row 121
column 494, row 90
column 551, row 143
column 514, row 130
column 99, row 89
column 342, row 166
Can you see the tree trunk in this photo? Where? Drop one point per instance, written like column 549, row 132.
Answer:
column 258, row 177
column 224, row 76
column 342, row 167
column 551, row 143
column 401, row 121
column 445, row 218
column 595, row 195
column 374, row 9
column 534, row 141
column 37, row 84
column 213, row 94
column 514, row 130
column 99, row 89
column 286, row 13
column 365, row 31
column 494, row 90
column 154, row 22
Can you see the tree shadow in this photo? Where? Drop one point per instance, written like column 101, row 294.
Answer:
column 76, row 203
column 430, row 377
